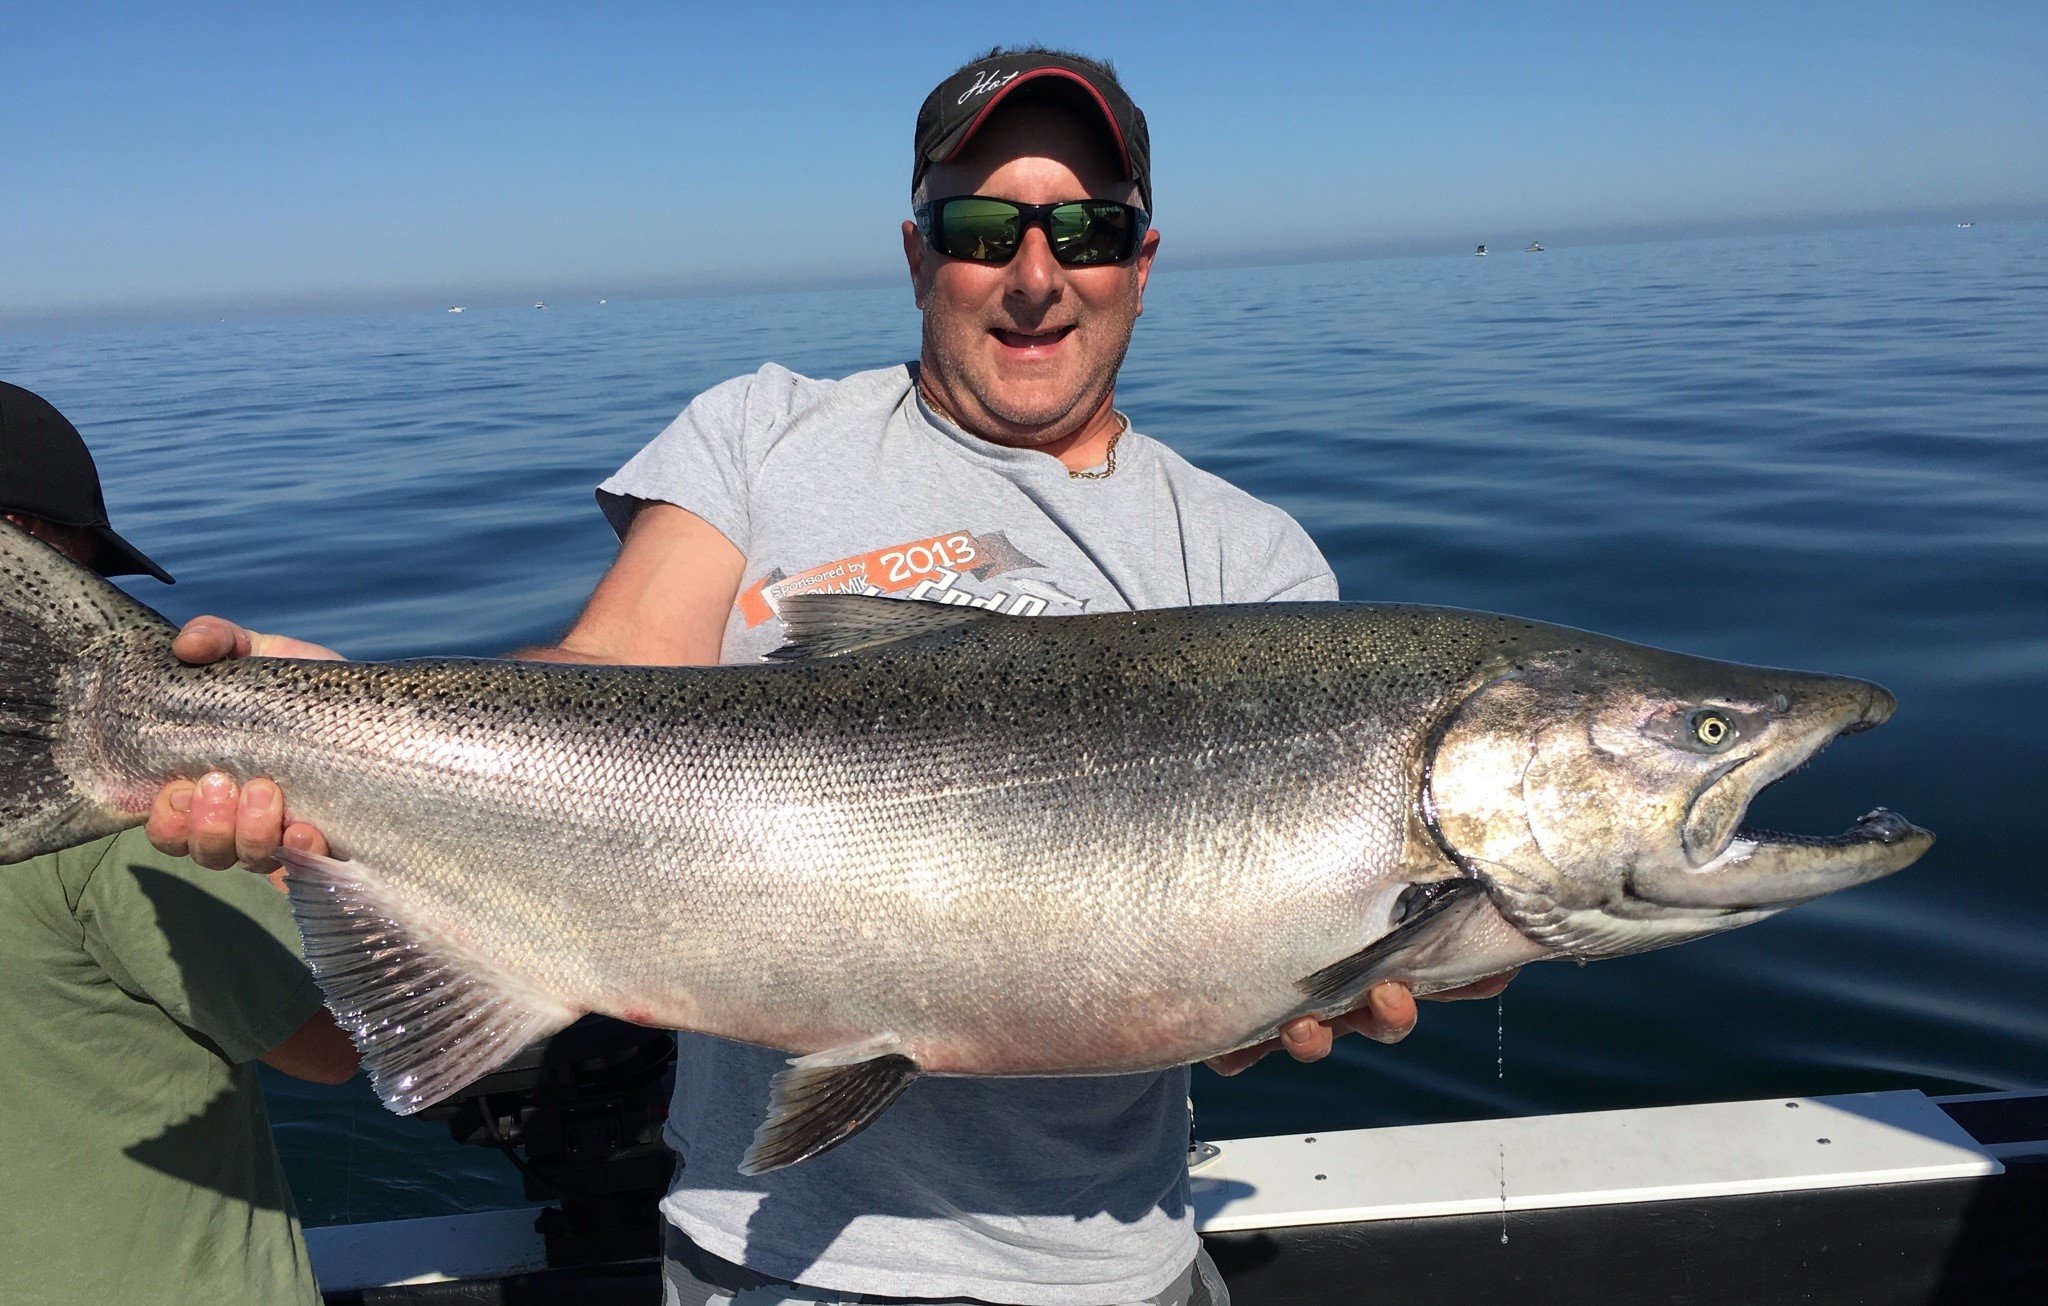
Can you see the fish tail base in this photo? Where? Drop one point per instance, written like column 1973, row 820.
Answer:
column 426, row 1022
column 54, row 617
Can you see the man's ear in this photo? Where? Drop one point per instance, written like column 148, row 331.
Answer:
column 1148, row 249
column 914, row 253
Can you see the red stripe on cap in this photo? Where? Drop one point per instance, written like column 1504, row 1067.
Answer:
column 1107, row 115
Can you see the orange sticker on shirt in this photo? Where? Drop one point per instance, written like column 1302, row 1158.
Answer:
column 930, row 563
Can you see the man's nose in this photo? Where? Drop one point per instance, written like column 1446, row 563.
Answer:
column 1034, row 273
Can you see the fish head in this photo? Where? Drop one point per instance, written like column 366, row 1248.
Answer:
column 1600, row 791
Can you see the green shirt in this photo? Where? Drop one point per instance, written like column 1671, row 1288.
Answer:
column 136, row 993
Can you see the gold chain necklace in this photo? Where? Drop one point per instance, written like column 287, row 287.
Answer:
column 1108, row 467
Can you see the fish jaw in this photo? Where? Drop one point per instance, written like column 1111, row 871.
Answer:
column 1762, row 869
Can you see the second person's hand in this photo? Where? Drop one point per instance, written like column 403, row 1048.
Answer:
column 212, row 820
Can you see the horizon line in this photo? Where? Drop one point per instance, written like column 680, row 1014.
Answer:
column 177, row 311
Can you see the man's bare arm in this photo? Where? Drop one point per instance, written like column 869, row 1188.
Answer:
column 317, row 1051
column 663, row 602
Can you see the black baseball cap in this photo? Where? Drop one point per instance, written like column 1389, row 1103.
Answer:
column 46, row 471
column 958, row 106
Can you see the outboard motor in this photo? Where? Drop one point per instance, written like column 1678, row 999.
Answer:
column 580, row 1115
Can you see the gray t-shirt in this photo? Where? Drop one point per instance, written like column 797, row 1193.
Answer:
column 1039, row 1192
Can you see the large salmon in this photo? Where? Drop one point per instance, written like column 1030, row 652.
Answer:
column 939, row 841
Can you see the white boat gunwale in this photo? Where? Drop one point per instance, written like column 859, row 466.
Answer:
column 1403, row 1177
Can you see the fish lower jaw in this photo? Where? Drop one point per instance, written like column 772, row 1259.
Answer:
column 1878, row 826
column 1766, row 868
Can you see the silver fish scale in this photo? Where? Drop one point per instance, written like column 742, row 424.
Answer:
column 1019, row 846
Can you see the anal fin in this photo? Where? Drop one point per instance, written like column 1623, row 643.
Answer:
column 426, row 1023
column 826, row 1098
column 1428, row 912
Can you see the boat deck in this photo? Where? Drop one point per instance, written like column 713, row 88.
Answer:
column 1867, row 1198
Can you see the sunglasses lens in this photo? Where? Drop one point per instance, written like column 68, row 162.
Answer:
column 985, row 231
column 1082, row 234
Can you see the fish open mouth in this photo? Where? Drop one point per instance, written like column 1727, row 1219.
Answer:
column 1735, row 866
column 1768, row 868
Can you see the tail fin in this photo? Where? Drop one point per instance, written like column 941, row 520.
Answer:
column 54, row 615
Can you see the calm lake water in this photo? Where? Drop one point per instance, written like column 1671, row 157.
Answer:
column 1824, row 450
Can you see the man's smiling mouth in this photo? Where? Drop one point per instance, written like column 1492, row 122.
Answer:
column 1040, row 339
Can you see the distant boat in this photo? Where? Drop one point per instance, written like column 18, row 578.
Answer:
column 1535, row 247
column 604, row 301
column 455, row 308
column 1481, row 251
column 1966, row 224
column 540, row 303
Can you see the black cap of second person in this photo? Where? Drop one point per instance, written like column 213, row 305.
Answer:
column 958, row 106
column 46, row 471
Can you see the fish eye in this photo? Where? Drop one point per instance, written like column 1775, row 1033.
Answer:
column 1711, row 729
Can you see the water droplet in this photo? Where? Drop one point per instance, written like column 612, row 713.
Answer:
column 1500, row 1075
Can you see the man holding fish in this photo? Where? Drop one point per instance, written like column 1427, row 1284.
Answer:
column 995, row 473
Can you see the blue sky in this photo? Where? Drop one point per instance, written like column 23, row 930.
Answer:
column 251, row 158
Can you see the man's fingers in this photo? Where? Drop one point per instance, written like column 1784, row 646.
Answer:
column 215, row 809
column 217, row 825
column 170, row 825
column 1231, row 1063
column 303, row 838
column 259, row 826
column 210, row 639
column 284, row 646
column 1393, row 1009
column 1386, row 1016
column 1306, row 1038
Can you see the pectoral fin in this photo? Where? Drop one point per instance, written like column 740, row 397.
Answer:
column 826, row 1098
column 1427, row 913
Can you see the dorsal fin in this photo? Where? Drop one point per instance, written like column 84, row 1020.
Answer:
column 826, row 625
